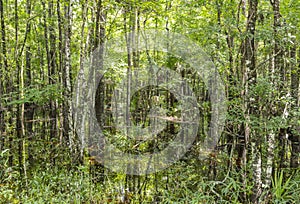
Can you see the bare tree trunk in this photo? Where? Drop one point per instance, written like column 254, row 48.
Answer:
column 82, row 58
column 49, row 55
column 46, row 40
column 20, row 107
column 8, row 84
column 51, row 71
column 3, row 67
column 67, row 112
column 293, row 136
column 28, row 107
column 270, row 136
column 60, row 65
column 270, row 159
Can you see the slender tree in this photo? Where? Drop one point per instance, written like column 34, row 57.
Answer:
column 3, row 67
column 67, row 107
column 250, row 77
column 293, row 136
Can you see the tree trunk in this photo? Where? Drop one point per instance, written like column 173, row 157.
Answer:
column 28, row 107
column 60, row 65
column 3, row 67
column 100, row 90
column 20, row 107
column 67, row 107
column 51, row 71
column 251, row 137
column 293, row 136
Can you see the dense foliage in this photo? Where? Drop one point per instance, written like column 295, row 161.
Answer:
column 254, row 45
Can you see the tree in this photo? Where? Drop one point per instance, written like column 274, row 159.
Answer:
column 67, row 107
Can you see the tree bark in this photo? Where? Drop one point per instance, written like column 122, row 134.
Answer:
column 60, row 65
column 52, row 71
column 100, row 90
column 67, row 107
column 293, row 136
column 19, row 112
column 3, row 67
column 250, row 75
column 28, row 107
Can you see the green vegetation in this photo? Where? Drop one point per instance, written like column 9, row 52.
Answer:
column 44, row 48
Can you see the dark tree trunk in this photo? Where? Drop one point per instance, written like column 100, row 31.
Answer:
column 293, row 136
column 3, row 67
column 52, row 71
